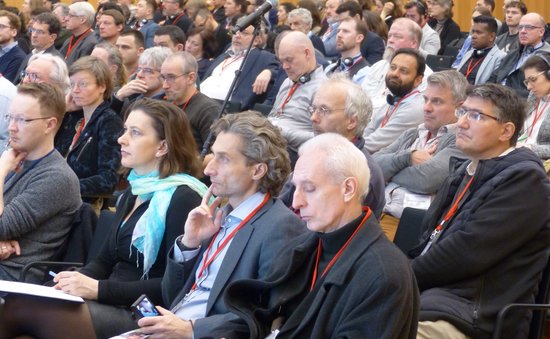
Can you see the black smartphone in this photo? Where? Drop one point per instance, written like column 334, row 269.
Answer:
column 143, row 307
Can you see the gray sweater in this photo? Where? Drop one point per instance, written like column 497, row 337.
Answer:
column 39, row 206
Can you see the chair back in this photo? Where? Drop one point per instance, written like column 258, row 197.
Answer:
column 409, row 229
column 439, row 62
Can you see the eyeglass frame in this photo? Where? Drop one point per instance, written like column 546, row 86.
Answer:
column 33, row 76
column 2, row 26
column 533, row 78
column 469, row 114
column 19, row 121
column 323, row 110
column 38, row 31
column 171, row 78
column 528, row 27
column 147, row 70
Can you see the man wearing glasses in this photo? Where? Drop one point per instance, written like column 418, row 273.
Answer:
column 83, row 40
column 40, row 192
column 178, row 75
column 44, row 31
column 11, row 56
column 531, row 34
column 487, row 231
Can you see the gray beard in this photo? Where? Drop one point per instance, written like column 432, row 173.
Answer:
column 388, row 54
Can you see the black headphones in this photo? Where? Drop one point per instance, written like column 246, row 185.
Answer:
column 478, row 53
column 547, row 73
column 144, row 21
column 391, row 99
column 305, row 78
column 348, row 62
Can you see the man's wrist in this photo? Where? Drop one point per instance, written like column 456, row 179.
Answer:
column 182, row 246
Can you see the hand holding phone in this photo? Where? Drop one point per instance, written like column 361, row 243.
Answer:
column 143, row 307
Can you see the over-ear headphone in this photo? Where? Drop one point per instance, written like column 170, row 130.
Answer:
column 305, row 78
column 478, row 53
column 348, row 62
column 547, row 73
column 391, row 99
column 144, row 21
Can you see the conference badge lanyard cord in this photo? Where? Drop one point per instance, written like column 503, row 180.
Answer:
column 208, row 260
column 339, row 253
column 72, row 46
column 538, row 114
column 390, row 113
column 437, row 231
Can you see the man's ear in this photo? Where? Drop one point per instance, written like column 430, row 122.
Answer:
column 260, row 170
column 350, row 188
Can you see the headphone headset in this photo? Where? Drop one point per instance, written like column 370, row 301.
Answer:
column 547, row 73
column 391, row 99
column 144, row 21
column 347, row 62
column 305, row 78
column 478, row 53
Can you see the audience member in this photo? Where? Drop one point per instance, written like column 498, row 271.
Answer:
column 40, row 193
column 312, row 7
column 88, row 137
column 417, row 163
column 61, row 11
column 329, row 36
column 249, row 167
column 111, row 56
column 11, row 56
column 179, row 79
column 531, row 31
column 417, row 11
column 202, row 44
column 340, row 106
column 130, row 44
column 44, row 31
column 290, row 109
column 376, row 25
column 493, row 211
column 218, row 10
column 283, row 10
column 350, row 36
column 110, row 24
column 170, row 36
column 536, row 130
column 467, row 43
column 509, row 41
column 392, row 9
column 7, row 92
column 233, row 9
column 441, row 20
column 49, row 69
column 300, row 20
column 341, row 279
column 79, row 23
column 480, row 62
column 158, row 149
column 254, row 81
column 147, row 82
column 175, row 15
column 490, row 6
column 144, row 20
column 403, row 108
column 205, row 19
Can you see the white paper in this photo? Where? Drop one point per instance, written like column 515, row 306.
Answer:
column 419, row 201
column 37, row 290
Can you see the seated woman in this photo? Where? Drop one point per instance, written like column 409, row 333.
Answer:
column 158, row 146
column 536, row 129
column 87, row 137
column 201, row 43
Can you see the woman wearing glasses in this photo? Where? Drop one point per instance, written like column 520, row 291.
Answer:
column 158, row 147
column 536, row 129
column 88, row 136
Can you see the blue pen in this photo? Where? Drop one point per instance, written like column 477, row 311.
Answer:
column 53, row 274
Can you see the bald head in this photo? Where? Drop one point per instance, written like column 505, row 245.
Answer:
column 297, row 55
column 534, row 29
column 404, row 33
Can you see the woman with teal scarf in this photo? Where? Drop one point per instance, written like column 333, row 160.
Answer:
column 158, row 147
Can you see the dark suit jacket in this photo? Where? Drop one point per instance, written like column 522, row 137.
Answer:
column 450, row 32
column 83, row 48
column 372, row 48
column 249, row 255
column 10, row 62
column 257, row 61
column 148, row 30
column 51, row 50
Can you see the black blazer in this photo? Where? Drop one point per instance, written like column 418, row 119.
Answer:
column 450, row 32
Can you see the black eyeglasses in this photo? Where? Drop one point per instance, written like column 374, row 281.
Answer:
column 472, row 115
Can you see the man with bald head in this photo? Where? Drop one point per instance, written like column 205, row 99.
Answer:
column 404, row 33
column 531, row 34
column 304, row 76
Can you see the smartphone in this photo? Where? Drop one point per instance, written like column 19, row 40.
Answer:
column 143, row 307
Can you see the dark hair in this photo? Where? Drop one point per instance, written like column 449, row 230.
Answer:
column 312, row 8
column 54, row 26
column 420, row 62
column 262, row 142
column 242, row 5
column 350, row 6
column 491, row 4
column 109, row 5
column 491, row 23
column 176, row 34
column 376, row 24
column 209, row 42
column 51, row 100
column 38, row 10
column 171, row 125
column 116, row 15
column 397, row 12
column 288, row 6
column 540, row 61
column 138, row 36
column 420, row 6
column 518, row 4
column 152, row 4
column 507, row 104
column 360, row 26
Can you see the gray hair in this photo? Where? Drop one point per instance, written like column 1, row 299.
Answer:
column 154, row 56
column 304, row 14
column 342, row 159
column 64, row 8
column 189, row 63
column 114, row 59
column 451, row 80
column 59, row 73
column 84, row 9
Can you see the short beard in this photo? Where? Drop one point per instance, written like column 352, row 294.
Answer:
column 388, row 54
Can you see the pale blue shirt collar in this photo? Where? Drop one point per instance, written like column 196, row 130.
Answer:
column 6, row 48
column 247, row 206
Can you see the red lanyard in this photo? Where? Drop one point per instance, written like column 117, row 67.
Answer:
column 184, row 106
column 176, row 19
column 339, row 253
column 77, row 134
column 289, row 95
column 208, row 261
column 233, row 59
column 72, row 46
column 388, row 116
column 470, row 69
column 538, row 114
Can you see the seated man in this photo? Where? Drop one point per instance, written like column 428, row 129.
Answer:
column 403, row 107
column 290, row 109
column 41, row 194
column 254, row 81
column 488, row 228
column 417, row 163
column 249, row 167
column 344, row 279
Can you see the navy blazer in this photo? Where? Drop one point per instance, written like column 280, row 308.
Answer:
column 148, row 30
column 257, row 61
column 10, row 62
column 450, row 32
column 249, row 255
column 373, row 48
